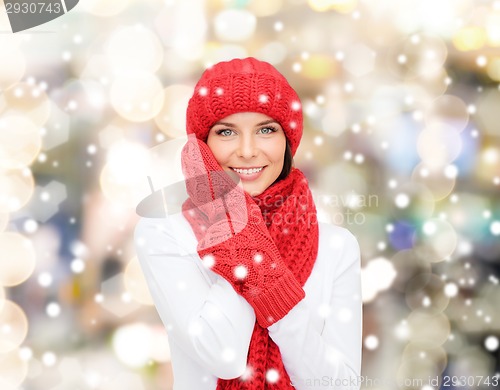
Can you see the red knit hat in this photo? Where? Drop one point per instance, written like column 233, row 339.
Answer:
column 244, row 85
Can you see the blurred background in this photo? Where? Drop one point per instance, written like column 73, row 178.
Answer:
column 401, row 146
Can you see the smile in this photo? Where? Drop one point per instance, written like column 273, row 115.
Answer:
column 247, row 171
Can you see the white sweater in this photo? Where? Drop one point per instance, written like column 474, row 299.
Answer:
column 209, row 325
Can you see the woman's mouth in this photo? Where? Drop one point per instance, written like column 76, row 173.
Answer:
column 247, row 174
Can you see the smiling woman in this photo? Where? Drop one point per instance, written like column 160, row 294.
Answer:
column 245, row 278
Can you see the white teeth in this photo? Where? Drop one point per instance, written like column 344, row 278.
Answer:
column 248, row 171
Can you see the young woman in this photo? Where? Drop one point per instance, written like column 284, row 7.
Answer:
column 253, row 291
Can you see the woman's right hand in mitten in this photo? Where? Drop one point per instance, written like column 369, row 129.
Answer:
column 233, row 239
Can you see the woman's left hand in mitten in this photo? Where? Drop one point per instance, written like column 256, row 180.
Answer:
column 233, row 239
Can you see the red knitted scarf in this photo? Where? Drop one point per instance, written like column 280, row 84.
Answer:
column 290, row 215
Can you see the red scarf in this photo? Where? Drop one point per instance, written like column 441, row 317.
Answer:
column 290, row 215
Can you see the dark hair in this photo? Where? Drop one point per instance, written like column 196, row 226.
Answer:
column 287, row 163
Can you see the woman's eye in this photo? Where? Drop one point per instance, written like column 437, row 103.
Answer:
column 267, row 130
column 225, row 132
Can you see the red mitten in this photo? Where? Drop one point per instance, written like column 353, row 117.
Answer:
column 233, row 239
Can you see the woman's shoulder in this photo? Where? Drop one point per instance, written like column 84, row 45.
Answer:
column 165, row 231
column 338, row 247
column 148, row 227
column 336, row 236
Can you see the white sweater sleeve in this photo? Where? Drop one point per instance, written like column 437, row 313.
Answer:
column 331, row 358
column 202, row 313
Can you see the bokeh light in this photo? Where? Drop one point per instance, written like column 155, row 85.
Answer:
column 182, row 27
column 135, row 283
column 122, row 178
column 133, row 344
column 17, row 258
column 273, row 52
column 448, row 110
column 421, row 361
column 344, row 6
column 265, row 8
column 470, row 38
column 13, row 370
column 134, row 48
column 493, row 68
column 235, row 25
column 429, row 353
column 438, row 145
column 426, row 291
column 318, row 67
column 171, row 119
column 136, row 95
column 439, row 181
column 409, row 264
column 419, row 55
column 13, row 63
column 464, row 211
column 4, row 219
column 413, row 202
column 28, row 100
column 492, row 29
column 487, row 115
column 428, row 327
column 20, row 142
column 2, row 297
column 437, row 240
column 13, row 326
column 377, row 276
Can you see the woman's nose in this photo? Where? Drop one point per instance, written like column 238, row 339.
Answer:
column 247, row 147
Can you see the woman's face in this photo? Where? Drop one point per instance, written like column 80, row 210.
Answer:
column 252, row 145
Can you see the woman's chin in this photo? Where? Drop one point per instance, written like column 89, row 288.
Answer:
column 252, row 190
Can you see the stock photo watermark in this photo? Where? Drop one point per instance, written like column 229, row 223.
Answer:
column 24, row 14
column 348, row 209
column 431, row 382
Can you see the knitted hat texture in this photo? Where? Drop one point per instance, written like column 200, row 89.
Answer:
column 244, row 85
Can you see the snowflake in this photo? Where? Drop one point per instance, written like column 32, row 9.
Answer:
column 451, row 290
column 240, row 272
column 247, row 374
column 402, row 200
column 495, row 228
column 49, row 359
column 53, row 309
column 208, row 261
column 272, row 375
column 491, row 343
column 371, row 342
column 258, row 258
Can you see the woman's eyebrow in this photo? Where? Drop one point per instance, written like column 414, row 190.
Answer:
column 224, row 124
column 267, row 122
